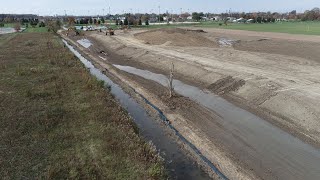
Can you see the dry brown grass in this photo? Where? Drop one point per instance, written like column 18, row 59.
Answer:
column 58, row 122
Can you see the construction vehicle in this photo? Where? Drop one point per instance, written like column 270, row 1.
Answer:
column 110, row 31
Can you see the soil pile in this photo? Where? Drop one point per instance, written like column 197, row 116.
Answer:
column 175, row 37
column 226, row 85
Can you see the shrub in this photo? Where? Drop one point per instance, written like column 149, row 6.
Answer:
column 126, row 23
column 140, row 22
column 1, row 24
column 33, row 23
column 147, row 22
column 42, row 24
column 17, row 27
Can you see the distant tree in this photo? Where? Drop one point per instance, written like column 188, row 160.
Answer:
column 196, row 16
column 17, row 27
column 259, row 19
column 269, row 20
column 33, row 23
column 185, row 15
column 147, row 22
column 201, row 15
column 132, row 21
column 42, row 24
column 99, row 22
column 90, row 21
column 8, row 20
column 71, row 21
column 264, row 20
column 126, row 23
column 102, row 20
column 1, row 24
column 94, row 21
column 120, row 23
column 117, row 22
column 140, row 22
column 53, row 26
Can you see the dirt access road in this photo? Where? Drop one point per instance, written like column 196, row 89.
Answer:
column 271, row 84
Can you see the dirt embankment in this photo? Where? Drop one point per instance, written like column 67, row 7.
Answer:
column 281, row 83
column 279, row 87
column 175, row 37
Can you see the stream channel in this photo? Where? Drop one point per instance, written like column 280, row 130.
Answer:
column 180, row 166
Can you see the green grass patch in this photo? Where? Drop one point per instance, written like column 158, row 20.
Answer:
column 307, row 28
column 58, row 122
column 36, row 29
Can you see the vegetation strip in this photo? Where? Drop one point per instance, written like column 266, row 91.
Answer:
column 57, row 121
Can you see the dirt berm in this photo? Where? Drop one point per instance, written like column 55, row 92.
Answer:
column 175, row 37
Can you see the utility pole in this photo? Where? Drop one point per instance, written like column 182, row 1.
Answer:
column 159, row 14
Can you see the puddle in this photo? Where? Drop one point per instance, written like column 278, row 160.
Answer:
column 223, row 42
column 179, row 165
column 7, row 30
column 253, row 140
column 85, row 43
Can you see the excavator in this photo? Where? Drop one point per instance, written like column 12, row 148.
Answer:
column 110, row 31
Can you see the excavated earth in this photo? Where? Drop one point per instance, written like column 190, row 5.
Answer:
column 274, row 76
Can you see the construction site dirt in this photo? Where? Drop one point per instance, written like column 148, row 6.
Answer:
column 265, row 74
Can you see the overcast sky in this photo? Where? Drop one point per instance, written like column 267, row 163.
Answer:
column 95, row 7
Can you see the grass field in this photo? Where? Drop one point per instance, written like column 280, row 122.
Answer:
column 36, row 29
column 59, row 122
column 307, row 28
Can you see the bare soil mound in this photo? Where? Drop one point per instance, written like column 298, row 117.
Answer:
column 175, row 37
column 226, row 85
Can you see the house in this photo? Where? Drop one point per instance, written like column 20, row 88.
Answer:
column 241, row 20
column 216, row 18
column 250, row 21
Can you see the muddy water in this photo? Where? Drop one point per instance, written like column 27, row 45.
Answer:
column 269, row 151
column 7, row 30
column 179, row 165
column 85, row 43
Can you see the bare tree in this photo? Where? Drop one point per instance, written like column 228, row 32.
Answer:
column 17, row 27
column 170, row 81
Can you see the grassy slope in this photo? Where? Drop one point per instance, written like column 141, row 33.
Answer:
column 57, row 121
